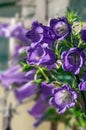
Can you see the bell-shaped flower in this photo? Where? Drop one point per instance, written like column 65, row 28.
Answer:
column 14, row 75
column 63, row 98
column 60, row 27
column 40, row 55
column 73, row 60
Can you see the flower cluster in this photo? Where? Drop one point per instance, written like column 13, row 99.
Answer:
column 51, row 52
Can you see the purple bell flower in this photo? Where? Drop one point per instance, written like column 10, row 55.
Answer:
column 46, row 93
column 83, row 34
column 17, row 48
column 39, row 55
column 73, row 60
column 5, row 30
column 63, row 98
column 82, row 85
column 42, row 104
column 14, row 75
column 19, row 32
column 40, row 33
column 25, row 91
column 60, row 27
column 46, row 89
column 37, row 111
column 16, row 31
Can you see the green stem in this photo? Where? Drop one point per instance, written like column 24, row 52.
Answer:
column 71, row 39
column 35, row 77
column 45, row 76
column 68, row 44
column 80, row 42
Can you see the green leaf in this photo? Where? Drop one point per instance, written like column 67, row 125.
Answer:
column 72, row 16
column 38, row 81
column 26, row 67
